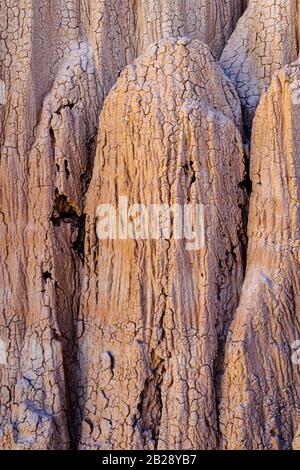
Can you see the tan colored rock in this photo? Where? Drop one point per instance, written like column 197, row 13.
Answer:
column 296, row 441
column 261, row 386
column 124, row 29
column 156, row 314
column 121, row 344
column 48, row 123
column 210, row 22
column 265, row 39
column 58, row 60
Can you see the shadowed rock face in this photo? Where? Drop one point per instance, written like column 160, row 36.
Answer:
column 49, row 117
column 145, row 343
column 265, row 39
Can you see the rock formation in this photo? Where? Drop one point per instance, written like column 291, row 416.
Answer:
column 262, row 410
column 155, row 313
column 149, row 344
column 265, row 39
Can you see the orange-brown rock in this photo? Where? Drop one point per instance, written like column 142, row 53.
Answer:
column 156, row 314
column 148, row 343
column 58, row 60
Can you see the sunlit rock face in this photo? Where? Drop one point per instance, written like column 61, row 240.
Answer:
column 156, row 312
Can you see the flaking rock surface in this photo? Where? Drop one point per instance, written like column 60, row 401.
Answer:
column 265, row 39
column 58, row 60
column 155, row 312
column 144, row 343
column 262, row 410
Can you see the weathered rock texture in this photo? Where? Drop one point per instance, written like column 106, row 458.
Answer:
column 144, row 344
column 265, row 39
column 262, row 410
column 156, row 313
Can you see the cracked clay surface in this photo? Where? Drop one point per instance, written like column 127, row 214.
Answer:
column 143, row 343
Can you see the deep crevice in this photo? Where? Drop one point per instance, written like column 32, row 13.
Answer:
column 149, row 408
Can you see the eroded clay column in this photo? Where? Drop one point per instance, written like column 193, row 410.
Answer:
column 265, row 39
column 261, row 386
column 155, row 313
